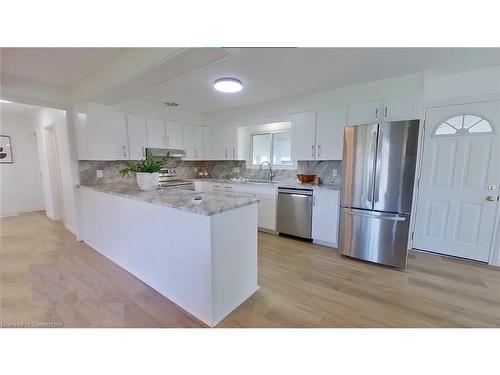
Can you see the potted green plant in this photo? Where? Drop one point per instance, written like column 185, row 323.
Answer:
column 147, row 171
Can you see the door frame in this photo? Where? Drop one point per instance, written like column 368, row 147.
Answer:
column 494, row 256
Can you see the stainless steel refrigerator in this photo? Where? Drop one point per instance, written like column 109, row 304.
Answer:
column 378, row 172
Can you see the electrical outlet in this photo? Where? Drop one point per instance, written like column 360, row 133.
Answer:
column 98, row 173
column 334, row 173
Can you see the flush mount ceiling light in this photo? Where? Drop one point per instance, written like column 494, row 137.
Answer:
column 228, row 85
column 171, row 104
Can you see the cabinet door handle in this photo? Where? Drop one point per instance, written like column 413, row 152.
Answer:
column 125, row 151
column 226, row 152
column 312, row 150
column 319, row 150
column 385, row 113
column 376, row 114
column 143, row 151
column 234, row 153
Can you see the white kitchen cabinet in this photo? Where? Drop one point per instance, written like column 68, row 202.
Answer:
column 188, row 130
column 389, row 109
column 267, row 196
column 224, row 143
column 304, row 136
column 101, row 133
column 325, row 221
column 207, row 143
column 174, row 135
column 266, row 212
column 402, row 108
column 368, row 112
column 156, row 133
column 198, row 153
column 137, row 136
column 330, row 125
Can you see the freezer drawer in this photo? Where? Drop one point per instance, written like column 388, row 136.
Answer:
column 374, row 236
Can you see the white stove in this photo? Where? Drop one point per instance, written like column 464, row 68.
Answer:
column 169, row 179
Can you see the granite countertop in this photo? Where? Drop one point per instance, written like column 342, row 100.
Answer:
column 273, row 183
column 212, row 203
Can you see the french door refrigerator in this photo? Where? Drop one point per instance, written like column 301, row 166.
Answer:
column 378, row 171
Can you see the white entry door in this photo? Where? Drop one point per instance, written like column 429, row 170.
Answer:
column 460, row 177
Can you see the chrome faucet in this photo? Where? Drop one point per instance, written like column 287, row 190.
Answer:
column 270, row 175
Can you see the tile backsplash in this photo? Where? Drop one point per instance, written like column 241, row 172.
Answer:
column 218, row 169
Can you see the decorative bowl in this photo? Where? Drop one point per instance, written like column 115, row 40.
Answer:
column 306, row 178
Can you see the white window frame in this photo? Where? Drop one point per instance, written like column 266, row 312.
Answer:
column 271, row 151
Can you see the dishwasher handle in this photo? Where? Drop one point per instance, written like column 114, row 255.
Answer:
column 298, row 192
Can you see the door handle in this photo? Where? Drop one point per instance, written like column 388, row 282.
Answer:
column 381, row 217
column 226, row 152
column 125, row 151
column 490, row 198
column 319, row 150
column 312, row 150
column 385, row 113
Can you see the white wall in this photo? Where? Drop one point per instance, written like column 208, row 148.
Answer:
column 20, row 182
column 483, row 84
column 67, row 162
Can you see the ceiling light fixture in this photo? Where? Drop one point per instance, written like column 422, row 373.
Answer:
column 228, row 85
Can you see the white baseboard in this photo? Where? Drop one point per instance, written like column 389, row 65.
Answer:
column 232, row 308
column 71, row 229
column 327, row 244
column 16, row 213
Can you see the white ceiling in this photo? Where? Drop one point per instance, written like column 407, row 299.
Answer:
column 275, row 73
column 64, row 67
column 267, row 73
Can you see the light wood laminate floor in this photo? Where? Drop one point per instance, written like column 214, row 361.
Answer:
column 47, row 276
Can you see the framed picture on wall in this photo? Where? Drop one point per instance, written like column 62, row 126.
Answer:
column 5, row 150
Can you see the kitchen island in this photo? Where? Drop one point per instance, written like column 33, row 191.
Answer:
column 202, row 257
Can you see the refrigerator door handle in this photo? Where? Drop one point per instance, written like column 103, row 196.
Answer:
column 394, row 217
column 371, row 163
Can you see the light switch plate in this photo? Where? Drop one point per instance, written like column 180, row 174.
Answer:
column 98, row 173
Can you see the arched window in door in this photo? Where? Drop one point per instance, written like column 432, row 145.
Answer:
column 464, row 125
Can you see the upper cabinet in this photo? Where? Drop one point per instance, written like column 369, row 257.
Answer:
column 101, row 134
column 137, row 136
column 403, row 108
column 188, row 131
column 330, row 125
column 156, row 133
column 364, row 112
column 390, row 109
column 304, row 136
column 174, row 135
column 198, row 149
column 319, row 135
column 225, row 143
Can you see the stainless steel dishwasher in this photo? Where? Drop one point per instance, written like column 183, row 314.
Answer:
column 295, row 211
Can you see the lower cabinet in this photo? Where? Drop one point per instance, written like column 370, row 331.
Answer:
column 325, row 221
column 267, row 212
